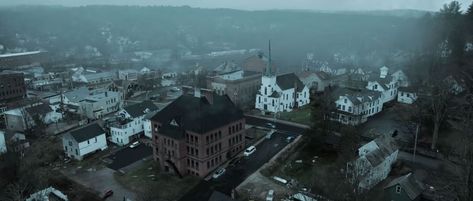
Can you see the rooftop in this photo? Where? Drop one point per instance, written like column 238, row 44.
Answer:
column 87, row 132
column 386, row 146
column 356, row 96
column 409, row 184
column 288, row 81
column 197, row 114
column 19, row 54
column 140, row 109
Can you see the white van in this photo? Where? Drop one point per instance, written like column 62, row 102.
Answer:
column 250, row 150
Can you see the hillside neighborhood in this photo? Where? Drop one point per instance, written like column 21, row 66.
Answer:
column 236, row 124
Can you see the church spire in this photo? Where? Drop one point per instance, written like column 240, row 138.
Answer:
column 269, row 66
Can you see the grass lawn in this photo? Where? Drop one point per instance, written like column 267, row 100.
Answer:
column 323, row 176
column 300, row 115
column 148, row 176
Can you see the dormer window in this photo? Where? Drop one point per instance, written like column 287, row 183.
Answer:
column 398, row 189
column 345, row 101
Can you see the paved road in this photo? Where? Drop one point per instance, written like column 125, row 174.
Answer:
column 235, row 175
column 279, row 126
column 127, row 156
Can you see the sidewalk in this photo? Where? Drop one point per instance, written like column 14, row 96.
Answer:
column 280, row 121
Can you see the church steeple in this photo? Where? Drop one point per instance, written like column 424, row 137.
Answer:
column 269, row 65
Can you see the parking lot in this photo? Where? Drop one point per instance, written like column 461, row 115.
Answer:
column 128, row 156
column 233, row 176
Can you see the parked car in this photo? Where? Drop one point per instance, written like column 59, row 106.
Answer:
column 250, row 150
column 135, row 144
column 289, row 139
column 270, row 195
column 107, row 194
column 174, row 89
column 270, row 134
column 234, row 161
column 271, row 125
column 218, row 173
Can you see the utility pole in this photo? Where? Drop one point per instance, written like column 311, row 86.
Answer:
column 415, row 144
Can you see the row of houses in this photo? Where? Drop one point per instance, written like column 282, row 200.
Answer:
column 358, row 99
column 193, row 135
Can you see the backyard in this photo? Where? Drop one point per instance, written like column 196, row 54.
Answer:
column 299, row 115
column 321, row 174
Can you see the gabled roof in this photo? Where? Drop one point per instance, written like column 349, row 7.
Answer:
column 356, row 96
column 274, row 95
column 78, row 94
column 322, row 75
column 409, row 184
column 288, row 81
column 95, row 76
column 257, row 63
column 87, row 132
column 140, row 109
column 197, row 114
column 409, row 89
column 386, row 145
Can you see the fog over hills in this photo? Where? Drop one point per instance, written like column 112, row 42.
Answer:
column 430, row 5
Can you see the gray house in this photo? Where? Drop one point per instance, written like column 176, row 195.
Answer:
column 404, row 188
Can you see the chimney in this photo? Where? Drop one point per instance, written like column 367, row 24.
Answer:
column 383, row 72
column 197, row 92
column 209, row 95
column 186, row 89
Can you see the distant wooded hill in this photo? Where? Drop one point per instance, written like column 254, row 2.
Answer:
column 113, row 29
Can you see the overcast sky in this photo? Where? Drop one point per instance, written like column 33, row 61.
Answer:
column 431, row 5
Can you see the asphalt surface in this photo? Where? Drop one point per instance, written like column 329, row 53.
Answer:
column 279, row 126
column 128, row 155
column 237, row 174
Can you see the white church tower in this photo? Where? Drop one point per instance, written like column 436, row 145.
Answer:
column 280, row 93
column 264, row 99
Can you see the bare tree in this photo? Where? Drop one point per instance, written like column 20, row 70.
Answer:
column 439, row 99
column 465, row 169
column 16, row 192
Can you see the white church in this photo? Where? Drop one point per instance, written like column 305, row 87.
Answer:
column 281, row 93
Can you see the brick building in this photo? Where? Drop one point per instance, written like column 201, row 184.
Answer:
column 240, row 86
column 197, row 133
column 12, row 86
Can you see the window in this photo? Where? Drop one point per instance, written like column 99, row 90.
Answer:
column 407, row 94
column 398, row 189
